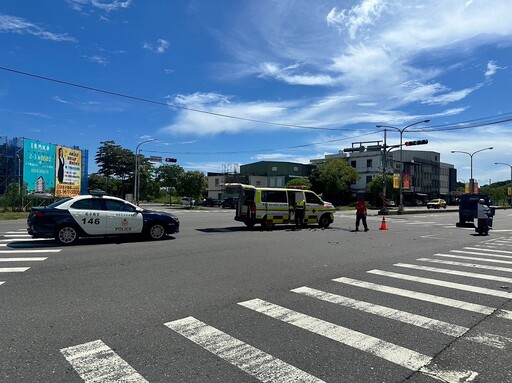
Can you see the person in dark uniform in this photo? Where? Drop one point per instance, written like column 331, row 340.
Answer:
column 300, row 209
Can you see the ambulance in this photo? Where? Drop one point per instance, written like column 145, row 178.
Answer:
column 272, row 206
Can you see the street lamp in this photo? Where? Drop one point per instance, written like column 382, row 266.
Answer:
column 136, row 173
column 471, row 180
column 401, row 131
column 503, row 163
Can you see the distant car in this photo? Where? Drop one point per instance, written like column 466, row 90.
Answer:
column 187, row 201
column 229, row 203
column 211, row 202
column 436, row 203
column 97, row 215
column 391, row 203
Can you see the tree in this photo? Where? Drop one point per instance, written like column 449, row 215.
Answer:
column 169, row 175
column 375, row 186
column 299, row 182
column 334, row 177
column 193, row 184
column 113, row 160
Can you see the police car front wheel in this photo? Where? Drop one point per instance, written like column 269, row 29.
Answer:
column 67, row 235
column 156, row 231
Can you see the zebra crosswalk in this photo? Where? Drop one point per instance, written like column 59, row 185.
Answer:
column 12, row 257
column 96, row 362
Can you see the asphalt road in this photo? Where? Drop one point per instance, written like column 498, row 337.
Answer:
column 419, row 302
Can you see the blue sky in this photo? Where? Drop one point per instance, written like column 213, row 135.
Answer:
column 228, row 82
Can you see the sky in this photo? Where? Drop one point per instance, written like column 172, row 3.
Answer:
column 218, row 84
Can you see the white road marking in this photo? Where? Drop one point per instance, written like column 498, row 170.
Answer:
column 26, row 251
column 95, row 362
column 418, row 296
column 480, row 253
column 26, row 240
column 473, row 258
column 32, row 259
column 450, row 285
column 455, row 272
column 18, row 235
column 13, row 269
column 473, row 265
column 491, row 250
column 399, row 355
column 421, row 321
column 249, row 359
column 2, row 282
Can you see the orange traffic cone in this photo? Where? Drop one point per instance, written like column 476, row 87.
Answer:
column 383, row 225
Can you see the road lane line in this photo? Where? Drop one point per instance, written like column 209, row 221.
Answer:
column 421, row 321
column 2, row 282
column 95, row 362
column 473, row 258
column 418, row 296
column 472, row 265
column 13, row 269
column 480, row 253
column 450, row 285
column 18, row 259
column 18, row 235
column 247, row 358
column 455, row 272
column 399, row 355
column 491, row 250
column 26, row 251
column 467, row 306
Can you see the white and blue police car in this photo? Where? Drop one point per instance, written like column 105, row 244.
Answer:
column 97, row 215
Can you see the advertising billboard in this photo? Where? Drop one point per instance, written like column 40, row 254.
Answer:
column 38, row 166
column 68, row 164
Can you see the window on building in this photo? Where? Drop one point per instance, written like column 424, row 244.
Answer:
column 369, row 163
column 258, row 183
column 295, row 168
column 217, row 182
column 274, row 168
column 369, row 179
column 353, row 164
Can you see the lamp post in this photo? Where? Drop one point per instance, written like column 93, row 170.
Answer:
column 503, row 163
column 471, row 180
column 136, row 172
column 401, row 131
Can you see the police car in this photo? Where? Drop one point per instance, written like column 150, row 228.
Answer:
column 97, row 215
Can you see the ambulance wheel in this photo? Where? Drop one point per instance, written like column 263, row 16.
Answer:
column 266, row 224
column 249, row 223
column 324, row 221
column 67, row 235
column 156, row 231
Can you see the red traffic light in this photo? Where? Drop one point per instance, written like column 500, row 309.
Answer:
column 417, row 142
column 170, row 160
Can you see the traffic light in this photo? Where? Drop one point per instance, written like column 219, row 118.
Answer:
column 417, row 142
column 170, row 159
column 356, row 149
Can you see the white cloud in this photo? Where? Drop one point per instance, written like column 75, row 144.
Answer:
column 160, row 46
column 58, row 99
column 492, row 68
column 97, row 59
column 104, row 5
column 13, row 24
column 364, row 13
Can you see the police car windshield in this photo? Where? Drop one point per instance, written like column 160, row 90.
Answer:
column 59, row 202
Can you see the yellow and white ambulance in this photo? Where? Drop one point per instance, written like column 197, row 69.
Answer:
column 272, row 206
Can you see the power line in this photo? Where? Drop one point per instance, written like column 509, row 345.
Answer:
column 141, row 99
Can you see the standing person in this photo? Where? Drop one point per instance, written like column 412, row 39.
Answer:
column 300, row 209
column 60, row 169
column 361, row 213
column 483, row 213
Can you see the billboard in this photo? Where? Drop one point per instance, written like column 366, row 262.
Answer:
column 38, row 166
column 68, row 163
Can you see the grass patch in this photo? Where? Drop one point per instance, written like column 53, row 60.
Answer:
column 9, row 215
